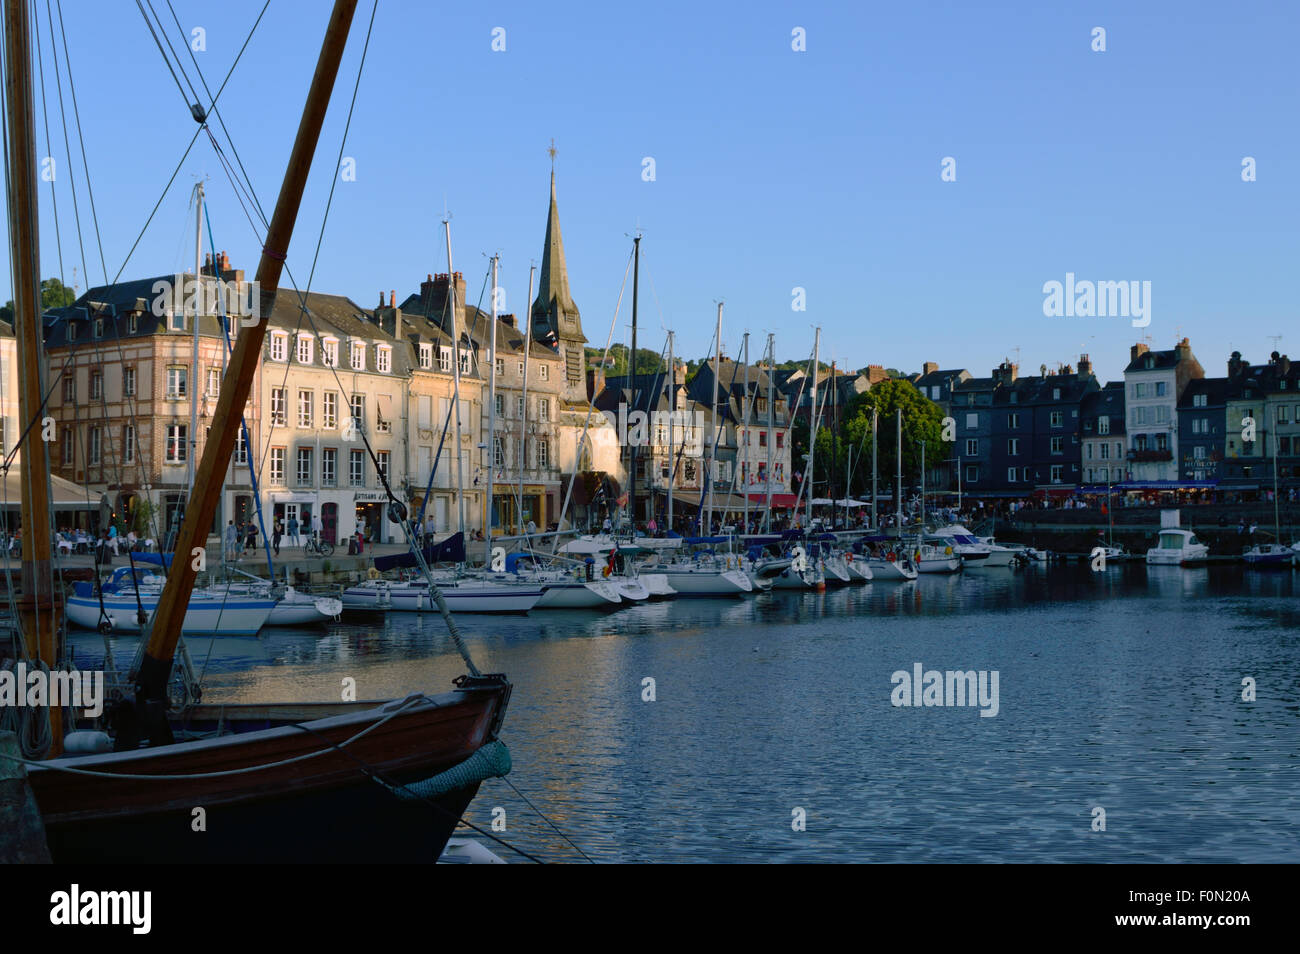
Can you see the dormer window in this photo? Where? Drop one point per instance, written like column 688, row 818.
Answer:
column 358, row 356
column 72, row 331
column 426, row 357
column 133, row 324
column 383, row 358
column 279, row 346
column 329, row 352
column 444, row 359
column 99, row 327
column 305, row 349
column 464, row 361
column 1151, row 362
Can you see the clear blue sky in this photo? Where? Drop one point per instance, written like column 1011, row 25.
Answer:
column 774, row 168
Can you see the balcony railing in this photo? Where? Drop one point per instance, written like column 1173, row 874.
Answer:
column 1150, row 455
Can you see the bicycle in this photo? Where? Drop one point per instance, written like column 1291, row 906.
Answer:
column 318, row 548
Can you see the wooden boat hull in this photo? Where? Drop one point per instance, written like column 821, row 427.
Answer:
column 324, row 809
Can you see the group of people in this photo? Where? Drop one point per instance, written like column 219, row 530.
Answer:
column 243, row 536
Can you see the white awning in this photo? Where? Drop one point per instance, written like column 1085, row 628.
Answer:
column 65, row 494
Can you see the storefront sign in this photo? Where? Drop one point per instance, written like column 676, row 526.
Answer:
column 371, row 496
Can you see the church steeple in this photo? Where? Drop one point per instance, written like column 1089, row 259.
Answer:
column 555, row 319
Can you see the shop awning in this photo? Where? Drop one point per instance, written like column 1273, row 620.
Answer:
column 65, row 494
column 783, row 501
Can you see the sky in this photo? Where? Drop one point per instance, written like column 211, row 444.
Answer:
column 774, row 168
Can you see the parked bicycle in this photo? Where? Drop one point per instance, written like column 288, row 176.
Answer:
column 316, row 547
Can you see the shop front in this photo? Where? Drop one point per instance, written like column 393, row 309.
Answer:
column 369, row 508
column 511, row 512
column 296, row 507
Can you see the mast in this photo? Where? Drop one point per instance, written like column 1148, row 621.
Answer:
column 194, row 361
column 771, row 428
column 672, row 416
column 744, row 482
column 812, row 430
column 631, row 371
column 898, row 481
column 523, row 418
column 875, row 459
column 1277, row 517
column 492, row 418
column 40, row 605
column 155, row 666
column 835, row 444
column 455, row 378
column 713, row 418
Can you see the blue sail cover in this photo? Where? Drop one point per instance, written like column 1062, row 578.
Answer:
column 451, row 550
column 158, row 559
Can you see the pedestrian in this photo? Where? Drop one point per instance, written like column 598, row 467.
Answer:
column 316, row 527
column 276, row 532
column 293, row 532
column 252, row 537
column 361, row 541
column 232, row 535
column 112, row 537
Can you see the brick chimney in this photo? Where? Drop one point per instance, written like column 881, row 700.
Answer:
column 1006, row 372
column 875, row 374
column 1183, row 350
column 508, row 319
column 595, row 381
column 1085, row 367
column 1235, row 364
column 1137, row 351
column 929, row 368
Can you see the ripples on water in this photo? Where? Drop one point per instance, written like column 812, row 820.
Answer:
column 1120, row 689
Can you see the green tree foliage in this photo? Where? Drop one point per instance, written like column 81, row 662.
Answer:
column 54, row 294
column 922, row 421
column 647, row 361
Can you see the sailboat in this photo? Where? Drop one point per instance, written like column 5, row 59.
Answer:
column 1277, row 554
column 271, row 777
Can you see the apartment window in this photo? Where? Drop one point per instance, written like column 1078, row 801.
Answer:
column 176, row 382
column 1199, row 425
column 521, row 369
column 1089, row 449
column 329, row 352
column 176, row 443
column 1011, row 475
column 279, row 407
column 1013, row 420
column 1200, row 400
column 543, row 408
column 762, row 438
column 214, row 382
column 972, row 474
column 382, row 458
column 357, row 468
column 304, row 408
column 96, row 443
column 128, row 382
column 1056, row 445
column 383, row 358
column 1103, row 425
column 381, row 425
column 305, row 349
column 464, row 361
column 1119, row 450
column 1198, row 452
column 357, row 356
column 546, row 372
column 972, row 421
column 241, row 448
column 501, row 405
column 1057, row 418
column 132, row 324
column 543, row 451
column 358, row 403
column 1013, row 446
column 329, row 409
column 1160, row 388
column 96, row 385
column 277, row 465
column 279, row 347
column 69, row 446
column 304, row 467
column 1015, row 397
column 1056, row 394
column 972, row 447
column 128, row 444
column 1057, row 471
column 1139, row 415
column 1104, row 451
column 1282, row 416
column 426, row 357
column 1139, row 391
column 444, row 359
column 1162, row 442
column 1162, row 414
column 329, row 459
column 780, row 440
column 498, row 454
column 519, row 406
column 500, row 366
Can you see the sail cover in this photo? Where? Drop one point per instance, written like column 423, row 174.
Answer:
column 451, row 550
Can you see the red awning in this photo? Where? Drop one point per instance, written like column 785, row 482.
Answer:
column 785, row 501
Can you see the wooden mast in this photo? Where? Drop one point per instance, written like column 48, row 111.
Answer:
column 155, row 667
column 39, row 606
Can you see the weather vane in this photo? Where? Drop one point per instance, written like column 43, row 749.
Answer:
column 551, row 152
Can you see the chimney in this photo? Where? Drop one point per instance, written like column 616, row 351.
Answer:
column 508, row 319
column 225, row 262
column 929, row 368
column 1137, row 351
column 392, row 298
column 595, row 381
column 1183, row 350
column 1284, row 366
column 1234, row 364
column 1085, row 367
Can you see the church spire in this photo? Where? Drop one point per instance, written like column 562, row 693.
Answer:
column 555, row 319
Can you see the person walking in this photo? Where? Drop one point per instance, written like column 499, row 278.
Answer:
column 232, row 536
column 276, row 532
column 252, row 537
column 317, row 527
column 112, row 537
column 293, row 532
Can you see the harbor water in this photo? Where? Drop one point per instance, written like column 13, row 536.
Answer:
column 770, row 733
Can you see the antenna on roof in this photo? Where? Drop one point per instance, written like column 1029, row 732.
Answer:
column 1276, row 339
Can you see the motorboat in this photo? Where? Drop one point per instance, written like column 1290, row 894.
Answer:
column 1266, row 555
column 1175, row 547
column 131, row 593
column 461, row 594
column 975, row 552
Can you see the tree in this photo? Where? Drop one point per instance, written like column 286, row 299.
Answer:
column 922, row 421
column 54, row 294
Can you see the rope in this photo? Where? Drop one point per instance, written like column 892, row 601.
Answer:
column 30, row 723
